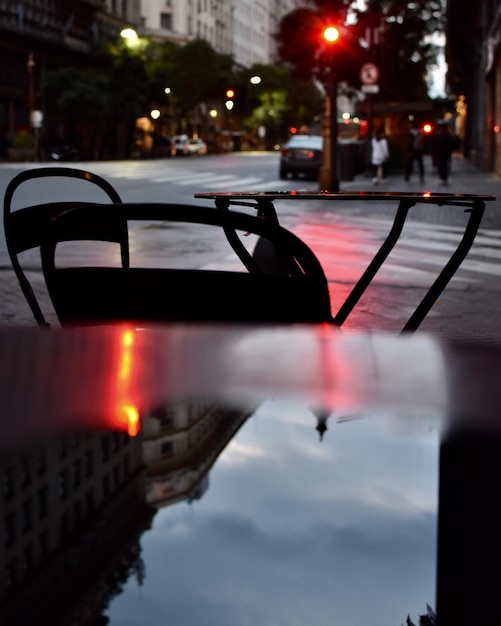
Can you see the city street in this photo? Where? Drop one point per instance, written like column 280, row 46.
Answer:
column 344, row 236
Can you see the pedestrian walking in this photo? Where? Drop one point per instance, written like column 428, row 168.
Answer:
column 415, row 153
column 443, row 147
column 379, row 157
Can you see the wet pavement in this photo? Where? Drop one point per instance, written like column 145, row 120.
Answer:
column 466, row 309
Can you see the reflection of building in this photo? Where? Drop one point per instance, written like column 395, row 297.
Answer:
column 71, row 513
column 72, row 509
column 180, row 444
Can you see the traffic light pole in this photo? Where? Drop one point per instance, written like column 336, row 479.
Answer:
column 328, row 176
column 334, row 186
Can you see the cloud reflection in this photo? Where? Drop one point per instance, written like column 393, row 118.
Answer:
column 289, row 537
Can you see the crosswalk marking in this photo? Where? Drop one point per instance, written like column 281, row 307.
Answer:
column 345, row 249
column 207, row 179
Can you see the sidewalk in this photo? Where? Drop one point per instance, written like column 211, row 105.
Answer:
column 473, row 313
column 464, row 178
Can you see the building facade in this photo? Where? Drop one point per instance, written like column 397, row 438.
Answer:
column 473, row 55
column 42, row 35
column 244, row 29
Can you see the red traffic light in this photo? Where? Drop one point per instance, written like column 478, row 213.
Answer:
column 230, row 93
column 331, row 34
column 427, row 128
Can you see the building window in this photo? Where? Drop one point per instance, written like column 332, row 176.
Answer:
column 25, row 473
column 89, row 463
column 126, row 466
column 43, row 544
column 8, row 485
column 77, row 473
column 63, row 485
column 89, row 502
column 42, row 503
column 41, row 463
column 106, row 485
column 10, row 530
column 28, row 558
column 27, row 518
column 65, row 524
column 166, row 21
column 11, row 574
column 166, row 448
column 106, row 449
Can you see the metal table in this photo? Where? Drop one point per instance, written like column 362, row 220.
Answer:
column 390, row 511
column 263, row 202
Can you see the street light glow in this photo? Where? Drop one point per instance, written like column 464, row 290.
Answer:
column 155, row 114
column 129, row 34
column 255, row 80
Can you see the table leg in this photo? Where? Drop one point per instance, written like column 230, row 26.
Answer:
column 449, row 270
column 374, row 266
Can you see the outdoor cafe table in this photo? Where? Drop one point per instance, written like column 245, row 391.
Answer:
column 264, row 203
column 354, row 478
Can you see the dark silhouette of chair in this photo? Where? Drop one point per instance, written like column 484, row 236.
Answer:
column 23, row 227
column 90, row 295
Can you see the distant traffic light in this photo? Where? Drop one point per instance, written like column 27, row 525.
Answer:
column 229, row 104
column 427, row 128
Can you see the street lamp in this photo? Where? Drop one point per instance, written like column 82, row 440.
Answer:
column 329, row 170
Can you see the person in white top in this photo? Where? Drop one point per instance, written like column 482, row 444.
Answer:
column 380, row 156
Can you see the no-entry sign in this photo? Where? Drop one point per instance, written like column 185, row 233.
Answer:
column 369, row 74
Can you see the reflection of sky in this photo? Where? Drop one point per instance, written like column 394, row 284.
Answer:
column 294, row 531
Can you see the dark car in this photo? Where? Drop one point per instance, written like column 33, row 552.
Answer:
column 301, row 155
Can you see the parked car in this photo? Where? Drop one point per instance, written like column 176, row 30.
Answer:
column 197, row 146
column 181, row 143
column 63, row 152
column 301, row 155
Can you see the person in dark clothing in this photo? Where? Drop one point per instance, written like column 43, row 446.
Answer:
column 415, row 153
column 443, row 146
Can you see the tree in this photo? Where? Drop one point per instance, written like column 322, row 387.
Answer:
column 193, row 86
column 279, row 101
column 404, row 51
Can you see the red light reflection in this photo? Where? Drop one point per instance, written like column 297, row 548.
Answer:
column 126, row 411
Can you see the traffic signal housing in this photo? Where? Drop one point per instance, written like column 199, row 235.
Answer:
column 229, row 104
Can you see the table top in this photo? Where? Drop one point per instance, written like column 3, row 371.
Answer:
column 94, row 369
column 419, row 197
column 296, row 466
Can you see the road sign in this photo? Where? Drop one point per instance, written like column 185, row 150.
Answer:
column 370, row 88
column 369, row 74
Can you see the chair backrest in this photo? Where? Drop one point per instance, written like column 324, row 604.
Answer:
column 89, row 295
column 23, row 227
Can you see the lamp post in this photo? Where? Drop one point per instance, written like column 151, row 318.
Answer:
column 30, row 67
column 328, row 177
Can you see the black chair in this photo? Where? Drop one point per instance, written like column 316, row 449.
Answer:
column 23, row 227
column 96, row 295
